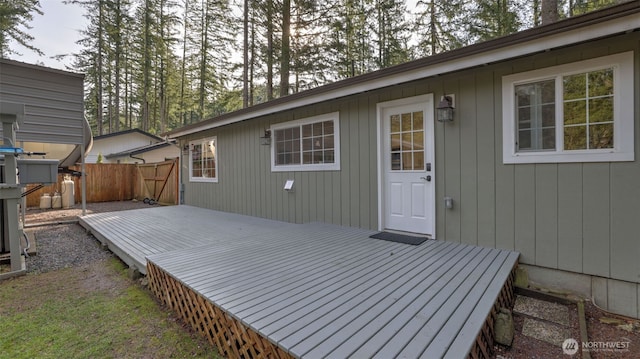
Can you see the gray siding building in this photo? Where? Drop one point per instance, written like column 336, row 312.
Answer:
column 541, row 157
column 53, row 100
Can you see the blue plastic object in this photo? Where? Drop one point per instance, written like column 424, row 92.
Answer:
column 14, row 150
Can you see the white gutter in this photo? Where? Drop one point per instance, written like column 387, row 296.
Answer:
column 560, row 39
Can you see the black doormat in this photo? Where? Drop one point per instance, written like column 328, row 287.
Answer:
column 399, row 238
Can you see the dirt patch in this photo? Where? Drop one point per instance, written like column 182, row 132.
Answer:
column 98, row 276
column 623, row 332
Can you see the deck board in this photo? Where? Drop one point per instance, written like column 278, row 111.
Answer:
column 357, row 300
column 326, row 287
column 318, row 290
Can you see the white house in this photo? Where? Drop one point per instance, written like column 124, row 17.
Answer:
column 131, row 146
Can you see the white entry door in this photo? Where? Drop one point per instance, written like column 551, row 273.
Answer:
column 408, row 168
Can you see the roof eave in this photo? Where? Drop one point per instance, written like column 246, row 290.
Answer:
column 126, row 132
column 137, row 151
column 41, row 68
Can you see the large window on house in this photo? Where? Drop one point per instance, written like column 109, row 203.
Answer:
column 203, row 160
column 310, row 144
column 579, row 112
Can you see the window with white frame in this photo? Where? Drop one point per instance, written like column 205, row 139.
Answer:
column 578, row 112
column 203, row 160
column 310, row 144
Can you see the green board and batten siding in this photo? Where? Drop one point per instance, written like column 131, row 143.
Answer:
column 577, row 217
column 247, row 185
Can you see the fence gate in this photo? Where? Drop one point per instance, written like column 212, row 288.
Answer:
column 159, row 181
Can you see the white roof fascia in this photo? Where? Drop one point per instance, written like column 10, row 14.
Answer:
column 582, row 34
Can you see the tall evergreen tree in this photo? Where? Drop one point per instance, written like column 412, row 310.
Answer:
column 309, row 62
column 217, row 39
column 391, row 33
column 158, row 64
column 91, row 60
column 189, row 60
column 579, row 7
column 117, row 23
column 15, row 16
column 438, row 26
column 270, row 19
column 166, row 60
column 349, row 43
column 493, row 18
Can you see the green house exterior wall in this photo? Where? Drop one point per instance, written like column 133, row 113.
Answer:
column 574, row 217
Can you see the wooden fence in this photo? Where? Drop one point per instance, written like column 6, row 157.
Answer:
column 120, row 182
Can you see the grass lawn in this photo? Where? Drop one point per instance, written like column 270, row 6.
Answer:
column 94, row 311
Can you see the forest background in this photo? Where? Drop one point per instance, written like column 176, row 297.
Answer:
column 157, row 65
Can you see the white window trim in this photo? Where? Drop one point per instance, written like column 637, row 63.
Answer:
column 623, row 105
column 335, row 116
column 215, row 156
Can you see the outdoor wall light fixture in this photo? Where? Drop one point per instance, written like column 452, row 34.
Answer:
column 288, row 185
column 445, row 109
column 266, row 139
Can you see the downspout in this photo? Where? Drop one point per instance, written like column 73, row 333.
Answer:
column 181, row 184
column 83, row 179
column 138, row 158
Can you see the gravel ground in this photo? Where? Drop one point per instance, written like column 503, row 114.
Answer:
column 63, row 246
column 67, row 245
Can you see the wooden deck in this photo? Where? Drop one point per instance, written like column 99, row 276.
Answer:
column 261, row 288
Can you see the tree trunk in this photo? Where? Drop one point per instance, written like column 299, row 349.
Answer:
column 270, row 50
column 286, row 48
column 251, row 65
column 162, row 76
column 127, row 112
column 183, row 69
column 146, row 83
column 99, row 68
column 432, row 24
column 245, row 52
column 549, row 11
column 118, row 56
column 203, row 60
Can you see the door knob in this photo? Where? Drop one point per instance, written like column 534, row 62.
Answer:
column 427, row 178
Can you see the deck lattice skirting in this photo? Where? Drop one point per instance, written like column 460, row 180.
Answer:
column 233, row 339
column 236, row 340
column 483, row 347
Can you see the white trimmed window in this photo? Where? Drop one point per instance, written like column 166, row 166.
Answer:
column 310, row 144
column 203, row 160
column 578, row 112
